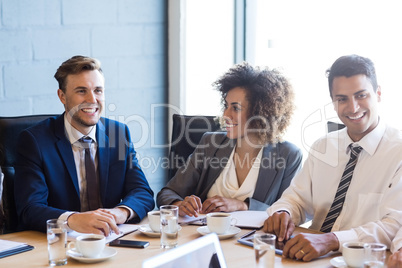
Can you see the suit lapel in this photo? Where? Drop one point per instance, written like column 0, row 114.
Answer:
column 103, row 158
column 267, row 173
column 222, row 153
column 65, row 151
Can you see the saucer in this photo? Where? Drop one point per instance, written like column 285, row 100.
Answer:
column 146, row 230
column 230, row 233
column 107, row 253
column 338, row 262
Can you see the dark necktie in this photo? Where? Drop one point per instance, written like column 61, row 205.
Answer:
column 90, row 175
column 343, row 186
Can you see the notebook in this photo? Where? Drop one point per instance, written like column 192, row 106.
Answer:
column 8, row 248
column 124, row 230
column 206, row 251
column 247, row 219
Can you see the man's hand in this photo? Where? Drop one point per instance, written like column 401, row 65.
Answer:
column 395, row 260
column 120, row 214
column 279, row 224
column 191, row 206
column 307, row 247
column 100, row 221
column 218, row 203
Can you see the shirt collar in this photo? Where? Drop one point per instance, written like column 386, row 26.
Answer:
column 370, row 142
column 73, row 135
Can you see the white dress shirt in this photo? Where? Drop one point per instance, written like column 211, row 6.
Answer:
column 372, row 211
column 227, row 185
column 73, row 135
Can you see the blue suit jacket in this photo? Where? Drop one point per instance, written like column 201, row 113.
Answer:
column 46, row 183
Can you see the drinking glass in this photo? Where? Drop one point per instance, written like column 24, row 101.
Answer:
column 375, row 255
column 169, row 226
column 56, row 242
column 264, row 247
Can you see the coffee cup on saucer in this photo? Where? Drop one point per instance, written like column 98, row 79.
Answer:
column 154, row 219
column 220, row 222
column 354, row 253
column 88, row 245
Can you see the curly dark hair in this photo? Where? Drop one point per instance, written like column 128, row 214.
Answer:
column 270, row 96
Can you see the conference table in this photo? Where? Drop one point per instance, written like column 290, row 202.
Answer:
column 236, row 254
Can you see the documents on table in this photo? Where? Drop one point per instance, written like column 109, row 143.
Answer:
column 200, row 220
column 8, row 248
column 124, row 229
column 248, row 219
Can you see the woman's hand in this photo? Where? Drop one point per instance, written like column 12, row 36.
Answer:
column 218, row 203
column 191, row 206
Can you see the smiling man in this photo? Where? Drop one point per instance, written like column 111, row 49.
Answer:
column 79, row 166
column 350, row 185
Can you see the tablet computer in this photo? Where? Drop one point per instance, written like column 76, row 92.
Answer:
column 249, row 241
column 205, row 251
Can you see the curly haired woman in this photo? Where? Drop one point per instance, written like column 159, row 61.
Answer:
column 248, row 166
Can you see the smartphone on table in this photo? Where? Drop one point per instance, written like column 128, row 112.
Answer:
column 129, row 243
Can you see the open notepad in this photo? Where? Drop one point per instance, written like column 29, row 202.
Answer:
column 248, row 219
column 8, row 248
column 124, row 229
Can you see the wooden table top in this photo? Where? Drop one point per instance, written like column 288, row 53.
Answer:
column 236, row 254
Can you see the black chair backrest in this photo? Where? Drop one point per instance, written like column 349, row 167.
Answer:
column 332, row 126
column 10, row 128
column 186, row 134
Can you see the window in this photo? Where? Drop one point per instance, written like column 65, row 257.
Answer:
column 209, row 52
column 305, row 37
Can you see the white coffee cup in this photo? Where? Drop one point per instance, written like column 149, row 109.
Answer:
column 354, row 253
column 219, row 222
column 154, row 219
column 89, row 245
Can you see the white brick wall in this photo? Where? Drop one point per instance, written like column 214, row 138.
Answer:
column 127, row 36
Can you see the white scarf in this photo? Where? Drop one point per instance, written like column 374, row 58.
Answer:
column 226, row 184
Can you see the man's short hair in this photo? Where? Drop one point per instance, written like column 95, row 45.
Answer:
column 351, row 65
column 75, row 65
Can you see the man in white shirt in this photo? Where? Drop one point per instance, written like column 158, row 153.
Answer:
column 370, row 210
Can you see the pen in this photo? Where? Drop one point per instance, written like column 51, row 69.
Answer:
column 248, row 234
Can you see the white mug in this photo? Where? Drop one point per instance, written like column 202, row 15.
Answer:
column 154, row 219
column 89, row 245
column 220, row 222
column 354, row 253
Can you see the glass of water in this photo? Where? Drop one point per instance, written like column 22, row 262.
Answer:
column 56, row 242
column 264, row 247
column 375, row 255
column 169, row 226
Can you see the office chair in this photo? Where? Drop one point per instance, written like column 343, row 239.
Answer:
column 186, row 134
column 10, row 128
column 332, row 126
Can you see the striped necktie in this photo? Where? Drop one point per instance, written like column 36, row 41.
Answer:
column 90, row 175
column 343, row 186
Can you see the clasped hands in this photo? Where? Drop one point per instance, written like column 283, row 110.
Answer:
column 304, row 246
column 100, row 221
column 192, row 205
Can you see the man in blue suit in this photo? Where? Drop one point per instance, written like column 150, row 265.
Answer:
column 53, row 173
